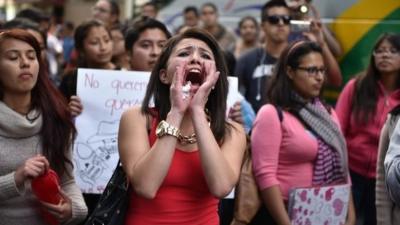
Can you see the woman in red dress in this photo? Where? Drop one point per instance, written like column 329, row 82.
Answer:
column 182, row 154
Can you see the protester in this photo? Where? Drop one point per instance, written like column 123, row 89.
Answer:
column 192, row 140
column 209, row 17
column 34, row 29
column 35, row 15
column 150, row 10
column 387, row 210
column 305, row 10
column 254, row 69
column 303, row 135
column 144, row 42
column 191, row 18
column 138, row 45
column 36, row 134
column 362, row 108
column 54, row 49
column 249, row 31
column 106, row 11
column 94, row 46
column 120, row 56
column 68, row 31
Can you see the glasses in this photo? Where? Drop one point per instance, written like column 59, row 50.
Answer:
column 100, row 10
column 380, row 51
column 313, row 71
column 276, row 19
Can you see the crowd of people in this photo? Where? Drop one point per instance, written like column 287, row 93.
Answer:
column 183, row 154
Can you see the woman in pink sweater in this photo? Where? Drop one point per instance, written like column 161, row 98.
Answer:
column 362, row 109
column 304, row 147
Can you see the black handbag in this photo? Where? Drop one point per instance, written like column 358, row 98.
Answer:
column 113, row 203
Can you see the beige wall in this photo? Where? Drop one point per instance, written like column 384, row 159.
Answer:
column 78, row 11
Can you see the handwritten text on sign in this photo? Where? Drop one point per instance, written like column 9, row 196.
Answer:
column 125, row 91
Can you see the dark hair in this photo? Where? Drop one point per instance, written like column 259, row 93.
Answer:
column 114, row 7
column 153, row 4
column 230, row 61
column 269, row 5
column 145, row 23
column 191, row 9
column 81, row 33
column 69, row 25
column 280, row 89
column 367, row 89
column 210, row 4
column 58, row 131
column 24, row 23
column 33, row 14
column 251, row 18
column 159, row 91
column 119, row 26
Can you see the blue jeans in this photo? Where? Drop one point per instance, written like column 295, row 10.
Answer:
column 364, row 199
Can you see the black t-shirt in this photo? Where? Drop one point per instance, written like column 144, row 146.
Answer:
column 254, row 70
column 68, row 84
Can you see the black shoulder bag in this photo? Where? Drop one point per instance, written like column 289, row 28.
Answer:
column 113, row 203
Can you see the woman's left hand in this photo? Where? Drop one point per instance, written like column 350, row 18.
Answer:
column 63, row 210
column 200, row 99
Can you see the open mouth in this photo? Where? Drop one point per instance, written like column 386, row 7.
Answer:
column 195, row 76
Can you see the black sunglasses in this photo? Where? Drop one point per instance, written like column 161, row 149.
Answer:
column 275, row 19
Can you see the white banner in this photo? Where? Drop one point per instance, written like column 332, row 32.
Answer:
column 105, row 94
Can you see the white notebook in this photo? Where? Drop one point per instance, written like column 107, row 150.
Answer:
column 327, row 205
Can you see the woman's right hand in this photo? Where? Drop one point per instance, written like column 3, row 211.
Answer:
column 179, row 102
column 75, row 106
column 32, row 168
column 235, row 113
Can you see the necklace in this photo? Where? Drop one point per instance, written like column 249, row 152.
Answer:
column 187, row 139
column 191, row 139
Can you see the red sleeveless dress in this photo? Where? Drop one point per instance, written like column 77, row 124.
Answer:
column 182, row 199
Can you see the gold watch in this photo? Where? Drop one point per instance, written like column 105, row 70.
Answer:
column 164, row 128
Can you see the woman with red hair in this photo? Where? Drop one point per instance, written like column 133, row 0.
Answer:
column 36, row 134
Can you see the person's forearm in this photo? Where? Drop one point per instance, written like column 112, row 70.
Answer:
column 151, row 169
column 333, row 44
column 272, row 198
column 334, row 74
column 220, row 170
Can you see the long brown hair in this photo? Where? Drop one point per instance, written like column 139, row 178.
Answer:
column 58, row 131
column 159, row 91
column 367, row 88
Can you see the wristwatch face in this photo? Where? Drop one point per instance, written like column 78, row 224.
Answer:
column 160, row 131
column 165, row 128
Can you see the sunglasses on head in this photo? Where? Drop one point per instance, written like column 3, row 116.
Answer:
column 275, row 19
